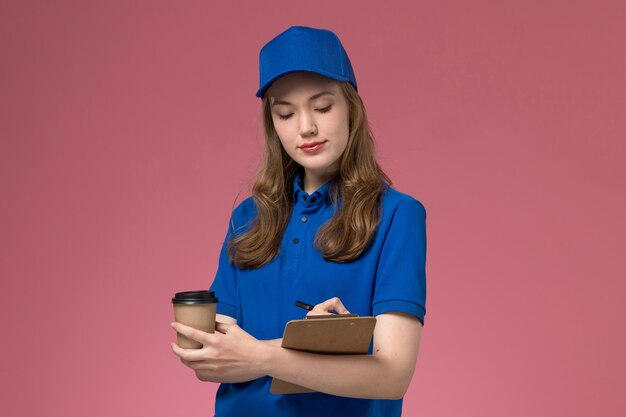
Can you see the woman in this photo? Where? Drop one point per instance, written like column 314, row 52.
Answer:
column 323, row 226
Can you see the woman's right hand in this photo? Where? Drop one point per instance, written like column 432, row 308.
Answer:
column 329, row 306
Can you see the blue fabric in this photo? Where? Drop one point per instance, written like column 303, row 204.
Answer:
column 388, row 277
column 303, row 48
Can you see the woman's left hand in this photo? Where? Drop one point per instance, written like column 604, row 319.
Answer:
column 228, row 355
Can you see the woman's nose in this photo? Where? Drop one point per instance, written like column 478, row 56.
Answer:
column 307, row 125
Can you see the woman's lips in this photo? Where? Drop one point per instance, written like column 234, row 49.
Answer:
column 312, row 149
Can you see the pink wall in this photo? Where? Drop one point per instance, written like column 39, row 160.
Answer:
column 126, row 129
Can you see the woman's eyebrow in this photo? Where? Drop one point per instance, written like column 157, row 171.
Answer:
column 313, row 97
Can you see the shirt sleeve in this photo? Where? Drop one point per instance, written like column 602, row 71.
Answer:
column 401, row 274
column 225, row 281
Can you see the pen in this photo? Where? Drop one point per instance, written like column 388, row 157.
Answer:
column 304, row 305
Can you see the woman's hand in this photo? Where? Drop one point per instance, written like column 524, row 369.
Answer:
column 228, row 355
column 328, row 307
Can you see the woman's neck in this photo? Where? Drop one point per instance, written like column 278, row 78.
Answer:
column 312, row 181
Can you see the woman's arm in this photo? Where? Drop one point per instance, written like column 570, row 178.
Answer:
column 232, row 355
column 386, row 374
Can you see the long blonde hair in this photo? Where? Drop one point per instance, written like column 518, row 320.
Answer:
column 358, row 186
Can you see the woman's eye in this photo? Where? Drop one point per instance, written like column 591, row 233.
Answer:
column 287, row 116
column 325, row 109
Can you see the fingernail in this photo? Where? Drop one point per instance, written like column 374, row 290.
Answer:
column 172, row 324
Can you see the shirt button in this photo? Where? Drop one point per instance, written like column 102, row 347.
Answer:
column 313, row 199
column 304, row 197
column 304, row 219
column 296, row 240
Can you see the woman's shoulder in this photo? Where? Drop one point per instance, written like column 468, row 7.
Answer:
column 245, row 211
column 392, row 199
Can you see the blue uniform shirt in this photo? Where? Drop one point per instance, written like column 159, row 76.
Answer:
column 389, row 276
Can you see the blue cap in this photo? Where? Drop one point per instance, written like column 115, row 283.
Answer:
column 302, row 48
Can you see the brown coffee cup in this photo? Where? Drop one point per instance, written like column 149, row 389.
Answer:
column 195, row 309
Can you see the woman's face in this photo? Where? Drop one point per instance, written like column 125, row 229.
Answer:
column 309, row 109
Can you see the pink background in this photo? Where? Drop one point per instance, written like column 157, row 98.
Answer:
column 127, row 128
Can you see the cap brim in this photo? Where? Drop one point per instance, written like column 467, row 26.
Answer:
column 261, row 91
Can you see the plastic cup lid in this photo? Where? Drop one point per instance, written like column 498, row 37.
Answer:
column 194, row 297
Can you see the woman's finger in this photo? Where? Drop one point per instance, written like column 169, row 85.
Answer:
column 332, row 304
column 222, row 327
column 192, row 333
column 189, row 355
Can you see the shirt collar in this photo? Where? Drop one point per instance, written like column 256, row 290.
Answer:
column 321, row 194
